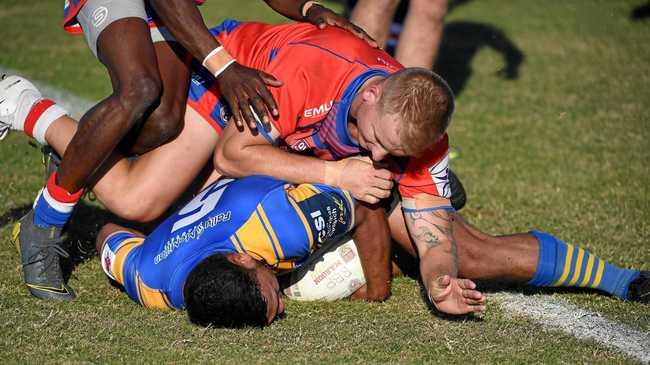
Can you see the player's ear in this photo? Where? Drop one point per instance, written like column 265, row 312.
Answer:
column 372, row 94
column 243, row 260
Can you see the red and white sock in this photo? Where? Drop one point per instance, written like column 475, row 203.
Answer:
column 39, row 117
column 54, row 205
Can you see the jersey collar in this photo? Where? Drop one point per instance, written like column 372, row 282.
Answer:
column 346, row 102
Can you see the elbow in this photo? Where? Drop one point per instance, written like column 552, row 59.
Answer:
column 224, row 165
column 378, row 293
column 378, row 297
column 229, row 159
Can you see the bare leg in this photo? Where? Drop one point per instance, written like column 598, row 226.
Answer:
column 125, row 48
column 375, row 17
column 420, row 38
column 166, row 121
column 144, row 188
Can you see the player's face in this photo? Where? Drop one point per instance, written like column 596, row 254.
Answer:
column 379, row 133
column 270, row 290
column 266, row 281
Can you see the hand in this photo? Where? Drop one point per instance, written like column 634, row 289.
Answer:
column 456, row 296
column 245, row 88
column 363, row 180
column 321, row 17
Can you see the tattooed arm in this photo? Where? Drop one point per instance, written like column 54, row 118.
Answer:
column 432, row 232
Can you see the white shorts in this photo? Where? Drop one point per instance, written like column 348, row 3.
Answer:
column 96, row 15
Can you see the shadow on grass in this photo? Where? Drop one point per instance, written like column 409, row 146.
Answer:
column 80, row 235
column 641, row 12
column 462, row 40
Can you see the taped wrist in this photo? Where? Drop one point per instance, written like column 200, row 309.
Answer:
column 334, row 172
column 217, row 61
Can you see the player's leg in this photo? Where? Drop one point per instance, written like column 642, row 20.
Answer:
column 375, row 17
column 536, row 258
column 166, row 121
column 124, row 47
column 422, row 32
column 132, row 188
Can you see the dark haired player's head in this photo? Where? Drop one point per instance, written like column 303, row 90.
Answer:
column 221, row 293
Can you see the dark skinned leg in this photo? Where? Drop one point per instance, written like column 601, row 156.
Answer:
column 480, row 255
column 125, row 48
column 166, row 121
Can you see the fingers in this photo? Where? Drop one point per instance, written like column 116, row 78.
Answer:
column 383, row 174
column 466, row 284
column 269, row 79
column 245, row 90
column 236, row 112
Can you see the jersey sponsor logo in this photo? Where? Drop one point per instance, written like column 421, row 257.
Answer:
column 319, row 110
column 107, row 260
column 300, row 145
column 99, row 16
column 440, row 176
column 224, row 113
column 319, row 223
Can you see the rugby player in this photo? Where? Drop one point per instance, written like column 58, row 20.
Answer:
column 440, row 235
column 218, row 255
column 120, row 34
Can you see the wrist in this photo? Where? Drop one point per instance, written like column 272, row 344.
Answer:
column 306, row 6
column 333, row 171
column 218, row 61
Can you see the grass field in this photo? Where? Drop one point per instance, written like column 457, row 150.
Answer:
column 563, row 148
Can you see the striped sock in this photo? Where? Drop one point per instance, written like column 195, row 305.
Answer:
column 54, row 205
column 41, row 114
column 561, row 264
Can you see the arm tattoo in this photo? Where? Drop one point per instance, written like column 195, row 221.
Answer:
column 433, row 228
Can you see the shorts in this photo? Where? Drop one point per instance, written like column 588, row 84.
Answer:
column 96, row 15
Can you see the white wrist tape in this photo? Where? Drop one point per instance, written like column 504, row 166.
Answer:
column 224, row 67
column 306, row 6
column 335, row 275
column 212, row 53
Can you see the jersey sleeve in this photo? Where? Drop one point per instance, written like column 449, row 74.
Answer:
column 119, row 259
column 423, row 181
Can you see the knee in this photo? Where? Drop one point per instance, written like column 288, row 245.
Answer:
column 139, row 93
column 164, row 125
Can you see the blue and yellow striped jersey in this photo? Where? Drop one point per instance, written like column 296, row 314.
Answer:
column 273, row 221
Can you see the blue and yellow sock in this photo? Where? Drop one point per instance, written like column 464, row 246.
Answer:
column 562, row 264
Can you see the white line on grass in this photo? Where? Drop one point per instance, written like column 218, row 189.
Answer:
column 551, row 313
column 556, row 314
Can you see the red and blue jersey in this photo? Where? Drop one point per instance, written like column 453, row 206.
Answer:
column 322, row 70
column 274, row 222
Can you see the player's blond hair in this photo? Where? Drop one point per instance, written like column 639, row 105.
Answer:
column 425, row 104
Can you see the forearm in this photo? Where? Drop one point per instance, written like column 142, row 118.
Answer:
column 372, row 238
column 431, row 231
column 184, row 21
column 292, row 9
column 268, row 160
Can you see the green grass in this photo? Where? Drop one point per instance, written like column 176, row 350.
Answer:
column 563, row 148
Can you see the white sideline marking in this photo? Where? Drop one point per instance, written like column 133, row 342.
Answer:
column 75, row 105
column 556, row 314
column 552, row 314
